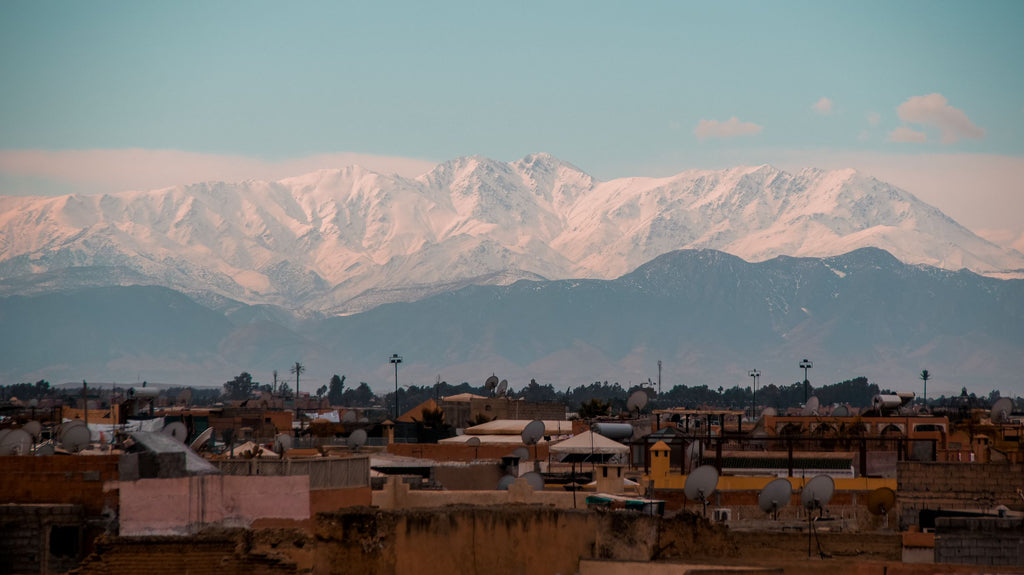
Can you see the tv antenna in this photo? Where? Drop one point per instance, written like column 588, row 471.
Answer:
column 700, row 484
column 17, row 442
column 775, row 496
column 881, row 501
column 356, row 439
column 177, row 430
column 1001, row 410
column 637, row 401
column 815, row 496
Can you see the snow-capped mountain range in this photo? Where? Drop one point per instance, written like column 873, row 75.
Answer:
column 345, row 240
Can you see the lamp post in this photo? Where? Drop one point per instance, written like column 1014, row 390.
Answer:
column 396, row 359
column 754, row 374
column 659, row 379
column 806, row 364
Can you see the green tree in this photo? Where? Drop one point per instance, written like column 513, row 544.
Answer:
column 925, row 376
column 594, row 408
column 321, row 391
column 298, row 369
column 241, row 387
column 336, row 390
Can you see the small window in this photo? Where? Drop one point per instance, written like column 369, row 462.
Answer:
column 64, row 541
column 604, row 470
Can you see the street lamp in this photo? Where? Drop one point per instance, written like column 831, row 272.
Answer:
column 806, row 364
column 754, row 374
column 396, row 359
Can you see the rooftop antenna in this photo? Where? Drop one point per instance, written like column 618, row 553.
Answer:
column 1001, row 410
column 637, row 401
column 356, row 439
column 17, row 442
column 177, row 430
column 700, row 484
column 775, row 496
column 490, row 383
column 815, row 496
column 881, row 501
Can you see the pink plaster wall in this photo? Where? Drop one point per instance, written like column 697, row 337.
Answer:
column 183, row 505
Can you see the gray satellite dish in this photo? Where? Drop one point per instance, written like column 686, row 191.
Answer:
column 534, row 480
column 505, row 482
column 76, row 439
column 692, row 454
column 45, row 449
column 357, row 439
column 533, row 432
column 841, row 411
column 701, row 483
column 811, row 407
column 4, row 432
column 473, row 442
column 349, row 417
column 775, row 496
column 282, row 442
column 1001, row 410
column 200, row 441
column 17, row 442
column 521, row 452
column 637, row 400
column 491, row 383
column 177, row 430
column 502, row 388
column 817, row 492
column 34, row 428
column 67, row 426
column 769, row 411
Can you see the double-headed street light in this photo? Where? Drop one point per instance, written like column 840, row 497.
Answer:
column 806, row 364
column 396, row 359
column 754, row 374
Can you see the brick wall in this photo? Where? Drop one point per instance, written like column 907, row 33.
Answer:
column 979, row 541
column 176, row 555
column 459, row 452
column 955, row 486
column 40, row 538
column 75, row 479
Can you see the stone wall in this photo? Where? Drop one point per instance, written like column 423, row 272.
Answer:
column 223, row 554
column 979, row 541
column 41, row 538
column 956, row 486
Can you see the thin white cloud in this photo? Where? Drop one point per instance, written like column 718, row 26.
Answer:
column 873, row 118
column 934, row 110
column 905, row 134
column 90, row 171
column 823, row 106
column 728, row 129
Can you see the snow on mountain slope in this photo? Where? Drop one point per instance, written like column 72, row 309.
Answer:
column 340, row 240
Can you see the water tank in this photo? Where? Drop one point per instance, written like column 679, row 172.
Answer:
column 616, row 431
column 886, row 401
column 146, row 391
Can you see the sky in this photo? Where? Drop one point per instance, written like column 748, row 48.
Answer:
column 106, row 96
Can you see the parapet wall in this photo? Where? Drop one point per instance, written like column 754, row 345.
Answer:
column 979, row 541
column 955, row 486
column 75, row 479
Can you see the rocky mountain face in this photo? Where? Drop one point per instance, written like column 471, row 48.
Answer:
column 343, row 241
column 709, row 316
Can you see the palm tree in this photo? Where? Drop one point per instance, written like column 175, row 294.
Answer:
column 925, row 376
column 298, row 370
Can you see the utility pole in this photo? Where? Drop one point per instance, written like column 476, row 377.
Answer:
column 659, row 378
column 806, row 364
column 396, row 359
column 753, row 409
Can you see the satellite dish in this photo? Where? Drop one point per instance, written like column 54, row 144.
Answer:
column 67, row 426
column 17, row 442
column 841, row 411
column 349, row 417
column 881, row 500
column 34, row 428
column 200, row 441
column 282, row 442
column 533, row 432
column 775, row 496
column 502, row 388
column 357, row 439
column 521, row 452
column 692, row 453
column 637, row 400
column 76, row 439
column 491, row 383
column 45, row 449
column 473, row 442
column 701, row 483
column 505, row 482
column 811, row 407
column 769, row 411
column 4, row 432
column 534, row 479
column 817, row 492
column 177, row 430
column 1001, row 410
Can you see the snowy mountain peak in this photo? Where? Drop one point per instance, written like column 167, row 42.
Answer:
column 337, row 240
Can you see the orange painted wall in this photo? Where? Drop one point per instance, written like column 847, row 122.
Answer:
column 325, row 500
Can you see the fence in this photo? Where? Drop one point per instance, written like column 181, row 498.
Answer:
column 323, row 472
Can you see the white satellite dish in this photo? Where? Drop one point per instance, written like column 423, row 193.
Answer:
column 775, row 496
column 202, row 439
column 817, row 492
column 692, row 454
column 701, row 484
column 637, row 401
column 502, row 388
column 357, row 439
column 282, row 442
column 177, row 430
column 841, row 411
column 811, row 407
column 17, row 442
column 533, row 432
column 76, row 438
column 1001, row 410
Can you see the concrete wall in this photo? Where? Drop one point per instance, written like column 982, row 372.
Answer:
column 220, row 554
column 459, row 452
column 397, row 495
column 184, row 505
column 979, row 541
column 955, row 486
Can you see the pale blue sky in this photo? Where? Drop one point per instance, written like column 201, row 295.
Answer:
column 615, row 88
